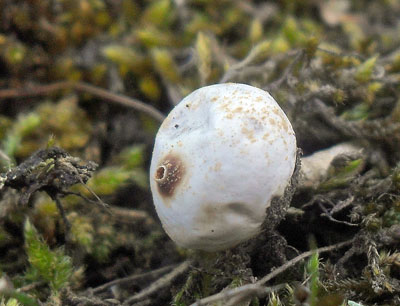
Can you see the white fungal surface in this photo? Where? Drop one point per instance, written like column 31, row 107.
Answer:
column 219, row 158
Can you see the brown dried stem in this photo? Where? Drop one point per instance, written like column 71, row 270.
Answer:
column 257, row 288
column 131, row 278
column 86, row 88
column 159, row 284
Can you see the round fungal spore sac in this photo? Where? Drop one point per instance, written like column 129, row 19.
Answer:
column 219, row 158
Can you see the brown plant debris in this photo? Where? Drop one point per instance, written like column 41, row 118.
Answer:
column 51, row 170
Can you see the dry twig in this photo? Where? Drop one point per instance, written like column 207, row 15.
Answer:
column 286, row 73
column 86, row 88
column 129, row 215
column 5, row 157
column 160, row 283
column 238, row 294
column 235, row 69
column 131, row 278
column 257, row 288
column 31, row 286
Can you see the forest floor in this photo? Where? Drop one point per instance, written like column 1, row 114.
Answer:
column 84, row 86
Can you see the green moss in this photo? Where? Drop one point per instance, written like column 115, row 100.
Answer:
column 65, row 121
column 23, row 127
column 108, row 180
column 9, row 302
column 165, row 65
column 158, row 13
column 313, row 271
column 51, row 266
column 358, row 112
column 341, row 176
column 18, row 299
column 82, row 231
column 104, row 242
column 132, row 157
column 364, row 71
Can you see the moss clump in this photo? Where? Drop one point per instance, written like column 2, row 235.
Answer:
column 51, row 266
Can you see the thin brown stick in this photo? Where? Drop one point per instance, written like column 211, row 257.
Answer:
column 259, row 291
column 61, row 210
column 5, row 157
column 129, row 215
column 237, row 294
column 276, row 84
column 257, row 288
column 132, row 278
column 70, row 298
column 85, row 88
column 233, row 70
column 160, row 283
column 34, row 91
column 341, row 54
column 300, row 257
column 31, row 286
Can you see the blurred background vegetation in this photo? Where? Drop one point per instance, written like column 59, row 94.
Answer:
column 334, row 67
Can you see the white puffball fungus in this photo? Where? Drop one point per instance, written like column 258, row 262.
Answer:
column 219, row 158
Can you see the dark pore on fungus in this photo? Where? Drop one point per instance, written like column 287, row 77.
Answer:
column 169, row 175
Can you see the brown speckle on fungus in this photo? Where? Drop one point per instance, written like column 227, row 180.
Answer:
column 169, row 175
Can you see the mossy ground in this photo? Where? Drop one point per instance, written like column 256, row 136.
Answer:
column 333, row 66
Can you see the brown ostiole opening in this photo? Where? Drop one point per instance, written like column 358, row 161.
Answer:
column 160, row 173
column 168, row 174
